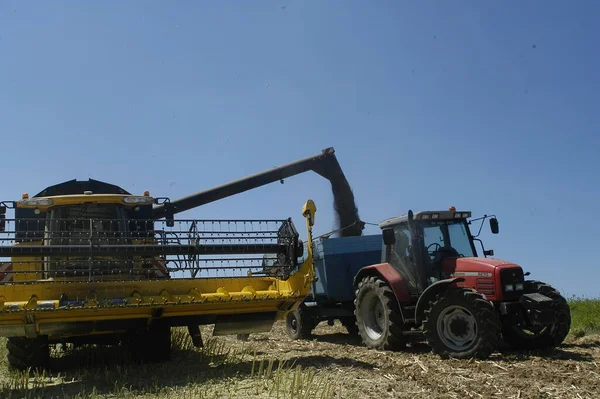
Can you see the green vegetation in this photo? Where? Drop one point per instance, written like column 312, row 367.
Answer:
column 585, row 315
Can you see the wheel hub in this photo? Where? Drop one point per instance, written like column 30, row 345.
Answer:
column 374, row 316
column 457, row 328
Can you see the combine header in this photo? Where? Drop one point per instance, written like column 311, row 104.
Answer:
column 87, row 262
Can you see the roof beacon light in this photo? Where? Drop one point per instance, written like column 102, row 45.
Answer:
column 146, row 193
column 24, row 196
column 452, row 208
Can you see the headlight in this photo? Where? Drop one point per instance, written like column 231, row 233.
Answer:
column 36, row 202
column 138, row 200
column 519, row 287
column 509, row 287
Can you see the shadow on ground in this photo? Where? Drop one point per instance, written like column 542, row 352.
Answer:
column 107, row 371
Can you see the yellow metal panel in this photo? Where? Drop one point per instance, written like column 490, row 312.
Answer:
column 39, row 301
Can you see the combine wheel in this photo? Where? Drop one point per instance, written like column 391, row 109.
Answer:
column 378, row 317
column 152, row 345
column 544, row 337
column 24, row 353
column 461, row 323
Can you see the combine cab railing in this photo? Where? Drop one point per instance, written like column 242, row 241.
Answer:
column 62, row 250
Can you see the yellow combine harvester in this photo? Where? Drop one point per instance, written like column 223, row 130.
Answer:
column 87, row 262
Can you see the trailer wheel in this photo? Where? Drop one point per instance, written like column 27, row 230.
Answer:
column 461, row 323
column 350, row 324
column 298, row 324
column 152, row 345
column 378, row 317
column 24, row 353
column 522, row 337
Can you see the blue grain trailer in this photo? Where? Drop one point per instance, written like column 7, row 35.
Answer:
column 337, row 261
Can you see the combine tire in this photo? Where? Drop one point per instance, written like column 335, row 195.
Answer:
column 545, row 337
column 377, row 314
column 298, row 324
column 461, row 323
column 24, row 353
column 152, row 345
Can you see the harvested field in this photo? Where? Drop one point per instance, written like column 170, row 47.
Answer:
column 333, row 364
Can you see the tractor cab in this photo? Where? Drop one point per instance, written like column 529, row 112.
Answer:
column 421, row 246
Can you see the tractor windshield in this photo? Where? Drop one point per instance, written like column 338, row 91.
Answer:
column 447, row 238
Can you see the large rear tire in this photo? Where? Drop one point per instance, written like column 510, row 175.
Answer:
column 24, row 353
column 461, row 323
column 527, row 338
column 378, row 316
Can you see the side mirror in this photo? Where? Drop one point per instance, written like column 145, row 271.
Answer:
column 489, row 252
column 494, row 225
column 389, row 238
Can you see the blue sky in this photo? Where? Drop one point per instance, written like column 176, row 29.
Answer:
column 489, row 106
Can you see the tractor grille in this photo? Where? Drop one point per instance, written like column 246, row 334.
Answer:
column 511, row 276
column 486, row 287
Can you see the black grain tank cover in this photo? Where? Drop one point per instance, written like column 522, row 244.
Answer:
column 79, row 186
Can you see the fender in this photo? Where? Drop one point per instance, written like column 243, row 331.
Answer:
column 430, row 293
column 390, row 275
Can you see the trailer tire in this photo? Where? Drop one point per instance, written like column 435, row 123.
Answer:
column 152, row 345
column 24, row 353
column 551, row 337
column 458, row 316
column 350, row 324
column 378, row 318
column 299, row 324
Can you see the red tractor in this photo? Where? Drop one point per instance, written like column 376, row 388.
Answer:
column 432, row 284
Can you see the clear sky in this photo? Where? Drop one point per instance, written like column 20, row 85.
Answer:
column 489, row 106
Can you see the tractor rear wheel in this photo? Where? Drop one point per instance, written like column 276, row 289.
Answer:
column 522, row 337
column 299, row 324
column 24, row 353
column 378, row 317
column 461, row 323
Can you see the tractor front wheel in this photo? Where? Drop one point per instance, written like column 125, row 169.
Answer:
column 378, row 317
column 520, row 336
column 24, row 353
column 461, row 323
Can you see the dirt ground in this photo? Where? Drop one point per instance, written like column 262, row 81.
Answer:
column 333, row 360
column 572, row 371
